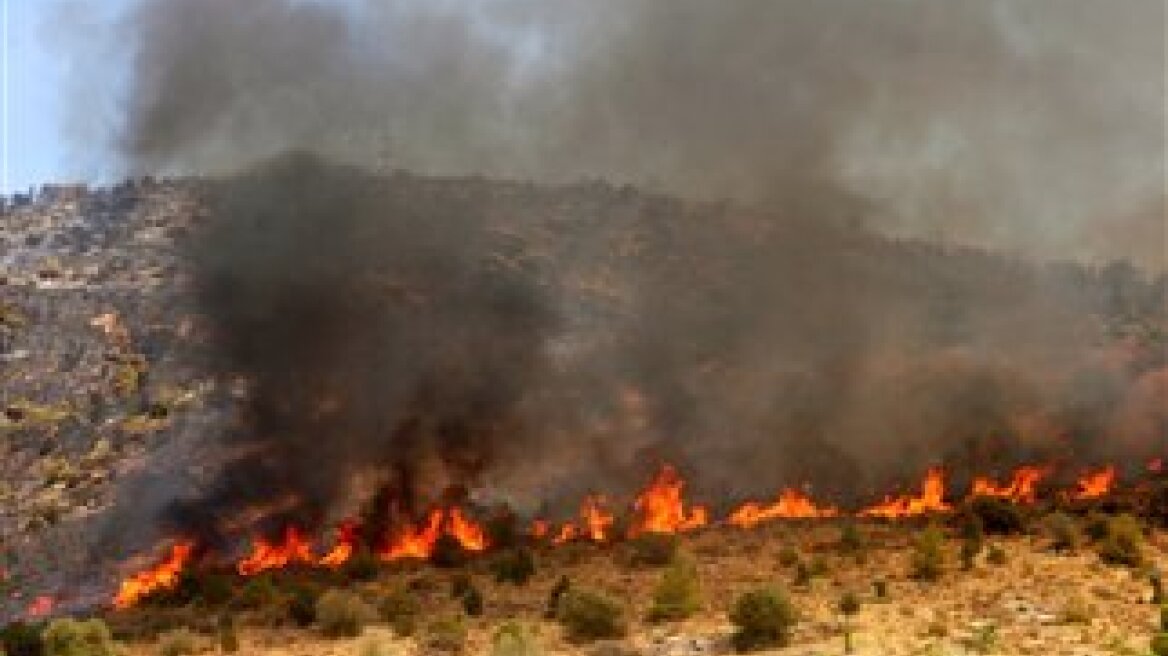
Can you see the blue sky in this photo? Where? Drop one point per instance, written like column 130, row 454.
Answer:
column 36, row 98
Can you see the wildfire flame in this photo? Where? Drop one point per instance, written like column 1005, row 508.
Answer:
column 661, row 506
column 1022, row 488
column 930, row 500
column 791, row 504
column 1096, row 484
column 295, row 549
column 163, row 576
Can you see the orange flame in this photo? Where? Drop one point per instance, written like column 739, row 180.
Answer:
column 597, row 520
column 163, row 576
column 1093, row 485
column 266, row 555
column 470, row 535
column 791, row 504
column 343, row 550
column 661, row 506
column 540, row 529
column 930, row 500
column 1022, row 488
column 414, row 541
column 568, row 532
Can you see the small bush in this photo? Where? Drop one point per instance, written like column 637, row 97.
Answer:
column 563, row 584
column 342, row 614
column 880, row 589
column 818, row 567
column 21, row 639
column 302, row 606
column 1095, row 526
column 502, row 529
column 998, row 516
column 472, row 601
column 678, row 593
column 515, row 566
column 258, row 592
column 996, row 556
column 928, row 557
column 447, row 635
column 788, row 557
column 400, row 610
column 363, row 566
column 515, row 639
column 653, row 549
column 588, row 615
column 1163, row 617
column 179, row 642
column 762, row 618
column 852, row 542
column 1159, row 645
column 448, row 552
column 1064, row 532
column 69, row 637
column 802, row 577
column 1122, row 545
column 228, row 637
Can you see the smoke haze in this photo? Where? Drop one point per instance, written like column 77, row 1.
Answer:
column 782, row 337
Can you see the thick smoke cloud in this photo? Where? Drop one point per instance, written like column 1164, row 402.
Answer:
column 793, row 341
column 1034, row 127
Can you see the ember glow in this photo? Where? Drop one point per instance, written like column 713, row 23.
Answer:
column 163, row 576
column 418, row 540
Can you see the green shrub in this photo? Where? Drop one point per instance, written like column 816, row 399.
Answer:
column 448, row 552
column 302, row 605
column 460, row 584
column 928, row 557
column 852, row 542
column 342, row 614
column 788, row 557
column 678, row 593
column 21, row 639
column 400, row 610
column 69, row 637
column 880, row 589
column 259, row 592
column 1064, row 532
column 849, row 605
column 1095, row 526
column 762, row 618
column 228, row 637
column 563, row 584
column 515, row 566
column 996, row 556
column 1159, row 645
column 363, row 566
column 588, row 615
column 472, row 601
column 502, row 529
column 1163, row 617
column 446, row 635
column 802, row 577
column 818, row 567
column 653, row 549
column 1156, row 581
column 179, row 642
column 1122, row 545
column 998, row 516
column 515, row 639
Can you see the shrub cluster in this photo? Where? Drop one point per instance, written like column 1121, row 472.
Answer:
column 928, row 557
column 69, row 637
column 342, row 614
column 762, row 618
column 588, row 615
column 678, row 593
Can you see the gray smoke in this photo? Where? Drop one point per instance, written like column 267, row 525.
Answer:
column 797, row 340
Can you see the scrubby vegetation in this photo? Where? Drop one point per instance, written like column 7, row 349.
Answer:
column 178, row 642
column 678, row 593
column 342, row 614
column 928, row 556
column 653, row 549
column 1122, row 542
column 588, row 615
column 516, row 565
column 21, row 639
column 69, row 637
column 399, row 608
column 445, row 636
column 515, row 639
column 762, row 618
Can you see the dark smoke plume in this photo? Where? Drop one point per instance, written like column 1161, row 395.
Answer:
column 381, row 329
